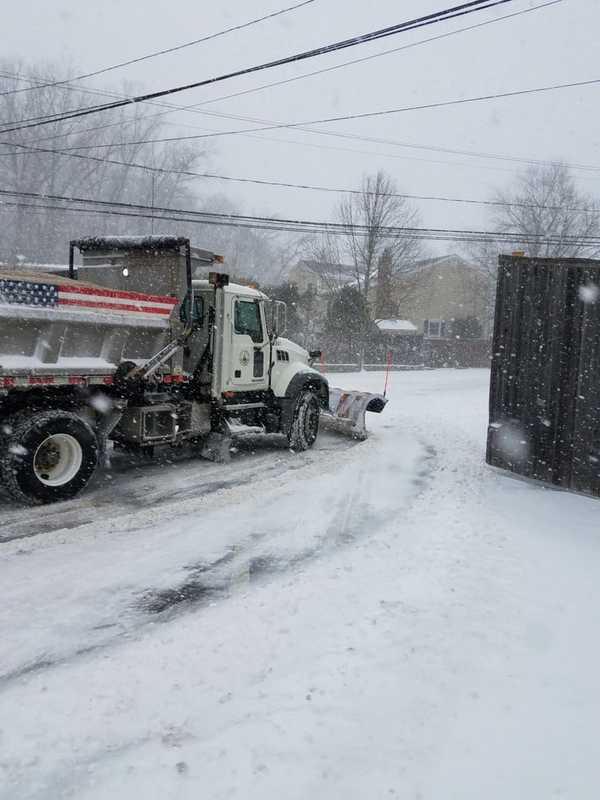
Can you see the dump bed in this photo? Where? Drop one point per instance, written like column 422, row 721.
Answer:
column 53, row 329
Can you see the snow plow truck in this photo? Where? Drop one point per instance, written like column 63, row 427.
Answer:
column 146, row 343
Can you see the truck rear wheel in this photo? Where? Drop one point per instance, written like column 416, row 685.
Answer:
column 47, row 456
column 305, row 421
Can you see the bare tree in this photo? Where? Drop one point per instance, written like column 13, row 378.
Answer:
column 365, row 217
column 545, row 202
column 31, row 161
column 325, row 255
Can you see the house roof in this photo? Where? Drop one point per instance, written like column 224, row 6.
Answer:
column 326, row 268
column 452, row 259
column 396, row 326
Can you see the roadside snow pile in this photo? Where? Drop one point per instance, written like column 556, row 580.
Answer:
column 391, row 619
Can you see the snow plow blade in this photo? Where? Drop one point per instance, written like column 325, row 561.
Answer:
column 346, row 412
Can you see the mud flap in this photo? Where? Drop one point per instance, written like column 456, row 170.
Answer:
column 347, row 409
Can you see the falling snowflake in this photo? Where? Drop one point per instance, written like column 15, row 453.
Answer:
column 512, row 442
column 101, row 403
column 589, row 293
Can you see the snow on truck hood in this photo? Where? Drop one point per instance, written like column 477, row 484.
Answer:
column 292, row 347
column 231, row 288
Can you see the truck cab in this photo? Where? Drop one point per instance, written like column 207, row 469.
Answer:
column 240, row 352
column 234, row 320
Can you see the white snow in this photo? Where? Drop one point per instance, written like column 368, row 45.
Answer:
column 396, row 325
column 28, row 266
column 82, row 316
column 389, row 619
column 588, row 294
column 101, row 403
column 17, row 450
column 20, row 362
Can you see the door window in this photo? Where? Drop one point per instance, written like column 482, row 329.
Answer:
column 247, row 320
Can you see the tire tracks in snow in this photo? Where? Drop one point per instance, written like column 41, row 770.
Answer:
column 129, row 486
column 335, row 520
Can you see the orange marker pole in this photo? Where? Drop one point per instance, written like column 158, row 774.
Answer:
column 387, row 371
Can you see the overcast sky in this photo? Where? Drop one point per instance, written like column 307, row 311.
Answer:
column 557, row 44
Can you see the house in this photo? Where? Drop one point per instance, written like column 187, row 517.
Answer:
column 435, row 313
column 394, row 328
column 398, row 340
column 446, row 298
column 320, row 277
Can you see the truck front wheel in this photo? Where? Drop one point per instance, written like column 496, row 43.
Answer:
column 47, row 456
column 305, row 421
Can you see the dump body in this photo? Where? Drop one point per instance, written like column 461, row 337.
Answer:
column 545, row 380
column 122, row 304
column 53, row 327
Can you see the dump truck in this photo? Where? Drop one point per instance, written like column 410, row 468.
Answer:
column 144, row 343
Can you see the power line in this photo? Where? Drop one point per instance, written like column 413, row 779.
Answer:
column 338, row 134
column 355, row 137
column 300, row 225
column 455, row 236
column 195, row 108
column 174, row 49
column 392, row 30
column 345, row 117
column 371, row 57
column 314, row 187
column 147, row 167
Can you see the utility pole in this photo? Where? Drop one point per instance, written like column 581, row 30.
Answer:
column 152, row 199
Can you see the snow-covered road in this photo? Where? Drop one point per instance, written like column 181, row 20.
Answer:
column 375, row 620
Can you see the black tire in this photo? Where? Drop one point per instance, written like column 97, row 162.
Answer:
column 305, row 421
column 31, row 438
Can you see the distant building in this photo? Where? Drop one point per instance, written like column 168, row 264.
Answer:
column 320, row 277
column 445, row 298
column 396, row 327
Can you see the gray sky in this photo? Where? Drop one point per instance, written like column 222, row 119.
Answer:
column 553, row 45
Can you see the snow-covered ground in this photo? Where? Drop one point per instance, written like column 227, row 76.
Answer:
column 389, row 619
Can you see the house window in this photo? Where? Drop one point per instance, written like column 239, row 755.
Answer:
column 434, row 328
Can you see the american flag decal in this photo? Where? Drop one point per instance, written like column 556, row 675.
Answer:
column 24, row 293
column 47, row 295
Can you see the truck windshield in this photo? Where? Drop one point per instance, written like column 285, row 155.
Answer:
column 247, row 320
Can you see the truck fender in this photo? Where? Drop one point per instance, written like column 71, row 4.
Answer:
column 300, row 382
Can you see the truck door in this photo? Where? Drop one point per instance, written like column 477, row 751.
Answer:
column 250, row 346
column 197, row 342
